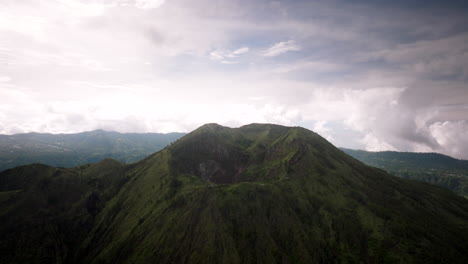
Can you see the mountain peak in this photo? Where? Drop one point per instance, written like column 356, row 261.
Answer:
column 230, row 155
column 211, row 127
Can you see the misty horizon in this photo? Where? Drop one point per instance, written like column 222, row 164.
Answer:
column 185, row 133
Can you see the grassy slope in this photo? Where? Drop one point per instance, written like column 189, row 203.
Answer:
column 293, row 198
column 308, row 204
column 46, row 212
column 433, row 168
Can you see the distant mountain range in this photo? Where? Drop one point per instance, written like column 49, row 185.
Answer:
column 71, row 150
column 260, row 193
column 433, row 168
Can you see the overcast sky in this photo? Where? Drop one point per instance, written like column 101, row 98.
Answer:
column 375, row 75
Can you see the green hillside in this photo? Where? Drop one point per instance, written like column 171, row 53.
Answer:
column 71, row 150
column 255, row 194
column 433, row 168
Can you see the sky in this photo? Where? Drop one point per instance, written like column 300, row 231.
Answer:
column 375, row 75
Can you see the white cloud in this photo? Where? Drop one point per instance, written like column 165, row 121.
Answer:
column 84, row 9
column 240, row 51
column 149, row 4
column 126, row 111
column 375, row 113
column 4, row 79
column 373, row 143
column 224, row 56
column 281, row 47
column 94, row 65
column 229, row 62
column 217, row 55
column 26, row 24
column 321, row 128
column 452, row 137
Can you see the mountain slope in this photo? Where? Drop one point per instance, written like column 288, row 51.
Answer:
column 45, row 211
column 70, row 150
column 433, row 168
column 255, row 194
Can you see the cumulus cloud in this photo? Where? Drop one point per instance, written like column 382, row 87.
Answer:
column 281, row 47
column 452, row 137
column 321, row 128
column 126, row 112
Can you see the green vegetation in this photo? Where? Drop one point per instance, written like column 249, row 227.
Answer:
column 433, row 168
column 71, row 150
column 255, row 194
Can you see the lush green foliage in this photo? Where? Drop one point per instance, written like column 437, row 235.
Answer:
column 255, row 194
column 433, row 168
column 70, row 150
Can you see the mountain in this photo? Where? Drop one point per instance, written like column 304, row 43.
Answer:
column 70, row 150
column 260, row 193
column 433, row 168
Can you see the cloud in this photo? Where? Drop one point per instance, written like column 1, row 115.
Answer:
column 217, row 55
column 4, row 79
column 229, row 62
column 240, row 51
column 280, row 48
column 124, row 111
column 84, row 9
column 149, row 4
column 311, row 67
column 224, row 56
column 374, row 143
column 422, row 50
column 386, row 125
column 321, row 128
column 452, row 137
column 94, row 65
column 362, row 75
column 442, row 58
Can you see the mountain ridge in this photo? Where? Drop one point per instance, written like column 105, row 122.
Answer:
column 434, row 168
column 298, row 199
column 70, row 150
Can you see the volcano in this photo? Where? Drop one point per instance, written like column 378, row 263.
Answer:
column 261, row 193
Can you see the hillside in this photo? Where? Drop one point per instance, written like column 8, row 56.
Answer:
column 433, row 168
column 70, row 150
column 255, row 194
